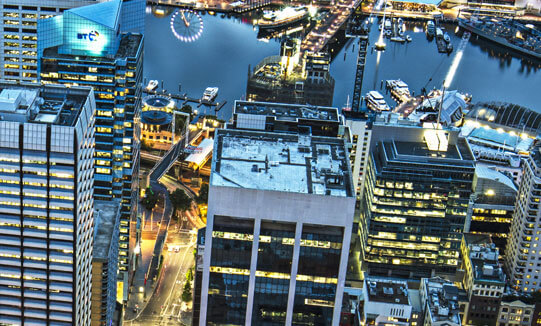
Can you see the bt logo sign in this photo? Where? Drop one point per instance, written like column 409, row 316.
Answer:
column 91, row 36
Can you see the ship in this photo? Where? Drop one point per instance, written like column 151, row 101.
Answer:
column 510, row 34
column 210, row 94
column 283, row 18
column 376, row 102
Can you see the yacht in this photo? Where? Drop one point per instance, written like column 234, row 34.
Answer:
column 152, row 85
column 430, row 28
column 210, row 94
column 283, row 18
column 376, row 102
column 439, row 33
column 446, row 38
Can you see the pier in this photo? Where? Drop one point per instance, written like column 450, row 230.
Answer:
column 184, row 99
column 320, row 35
column 215, row 6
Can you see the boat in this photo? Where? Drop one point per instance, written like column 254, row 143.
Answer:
column 388, row 24
column 439, row 33
column 398, row 39
column 376, row 102
column 449, row 47
column 399, row 90
column 430, row 28
column 408, row 38
column 210, row 94
column 446, row 37
column 510, row 34
column 283, row 18
column 152, row 85
column 388, row 33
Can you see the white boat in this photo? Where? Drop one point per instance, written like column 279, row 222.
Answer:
column 446, row 38
column 388, row 24
column 408, row 38
column 210, row 94
column 439, row 32
column 398, row 39
column 152, row 85
column 430, row 28
column 283, row 18
column 376, row 102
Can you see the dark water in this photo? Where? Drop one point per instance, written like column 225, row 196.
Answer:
column 220, row 57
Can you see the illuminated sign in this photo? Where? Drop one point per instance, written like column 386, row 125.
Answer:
column 92, row 36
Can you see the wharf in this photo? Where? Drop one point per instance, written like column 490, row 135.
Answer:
column 219, row 7
column 184, row 99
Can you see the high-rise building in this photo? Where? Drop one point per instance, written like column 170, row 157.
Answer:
column 484, row 279
column 88, row 46
column 492, row 207
column 417, row 189
column 278, row 230
column 523, row 257
column 105, row 261
column 46, row 204
column 18, row 37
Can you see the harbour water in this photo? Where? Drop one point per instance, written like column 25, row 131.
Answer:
column 227, row 46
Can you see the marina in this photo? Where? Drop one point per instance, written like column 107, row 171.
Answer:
column 507, row 76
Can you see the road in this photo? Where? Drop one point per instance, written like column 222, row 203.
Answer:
column 164, row 306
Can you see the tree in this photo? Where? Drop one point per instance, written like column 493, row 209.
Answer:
column 203, row 194
column 180, row 200
column 187, row 292
column 189, row 275
column 150, row 200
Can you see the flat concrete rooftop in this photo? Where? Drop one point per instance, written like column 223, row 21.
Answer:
column 281, row 162
column 106, row 218
column 50, row 104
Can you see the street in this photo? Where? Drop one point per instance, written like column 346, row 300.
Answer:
column 164, row 305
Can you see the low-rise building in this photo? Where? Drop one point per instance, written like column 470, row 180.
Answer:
column 484, row 279
column 440, row 300
column 105, row 261
column 514, row 311
column 387, row 302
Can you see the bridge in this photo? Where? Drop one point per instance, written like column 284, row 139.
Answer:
column 320, row 35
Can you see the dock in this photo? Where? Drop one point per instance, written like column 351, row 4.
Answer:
column 214, row 7
column 184, row 99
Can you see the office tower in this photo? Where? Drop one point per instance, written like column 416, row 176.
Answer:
column 87, row 46
column 484, row 279
column 492, row 206
column 105, row 261
column 523, row 256
column 417, row 189
column 46, row 204
column 278, row 229
column 18, row 37
column 442, row 302
column 360, row 134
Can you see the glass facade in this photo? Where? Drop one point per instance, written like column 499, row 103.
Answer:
column 317, row 275
column 413, row 212
column 229, row 270
column 85, row 46
column 274, row 259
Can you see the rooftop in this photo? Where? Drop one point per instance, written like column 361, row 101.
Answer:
column 291, row 112
column 281, row 162
column 387, row 291
column 509, row 115
column 105, row 13
column 106, row 219
column 442, row 297
column 457, row 154
column 51, row 104
column 483, row 255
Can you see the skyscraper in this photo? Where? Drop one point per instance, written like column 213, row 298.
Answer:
column 18, row 37
column 46, row 204
column 417, row 189
column 88, row 46
column 278, row 229
column 523, row 256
